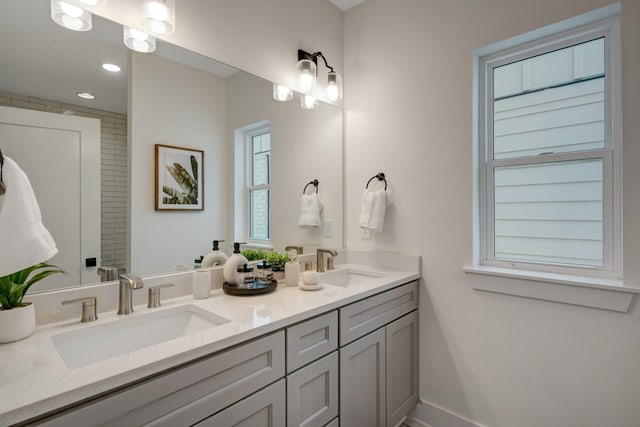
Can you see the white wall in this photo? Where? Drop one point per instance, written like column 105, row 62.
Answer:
column 498, row 360
column 305, row 145
column 258, row 36
column 173, row 104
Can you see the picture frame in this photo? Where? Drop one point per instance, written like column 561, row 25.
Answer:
column 179, row 178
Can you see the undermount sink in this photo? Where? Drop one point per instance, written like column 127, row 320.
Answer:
column 82, row 347
column 349, row 277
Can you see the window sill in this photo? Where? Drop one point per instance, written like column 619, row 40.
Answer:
column 584, row 291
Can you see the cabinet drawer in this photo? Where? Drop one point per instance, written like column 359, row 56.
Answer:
column 312, row 393
column 362, row 317
column 266, row 408
column 189, row 394
column 311, row 339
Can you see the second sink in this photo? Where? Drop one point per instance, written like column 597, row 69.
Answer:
column 349, row 277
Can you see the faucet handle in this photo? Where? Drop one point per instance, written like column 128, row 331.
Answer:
column 154, row 295
column 89, row 308
column 134, row 281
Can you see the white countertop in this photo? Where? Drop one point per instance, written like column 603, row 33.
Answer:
column 35, row 380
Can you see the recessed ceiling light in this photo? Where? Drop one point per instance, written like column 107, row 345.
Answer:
column 111, row 67
column 86, row 95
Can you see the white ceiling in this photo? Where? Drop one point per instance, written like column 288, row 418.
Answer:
column 346, row 4
column 42, row 59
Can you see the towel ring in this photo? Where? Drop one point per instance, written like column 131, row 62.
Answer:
column 380, row 177
column 314, row 183
column 3, row 188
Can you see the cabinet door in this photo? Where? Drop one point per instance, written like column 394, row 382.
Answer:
column 402, row 367
column 362, row 382
column 266, row 408
column 312, row 393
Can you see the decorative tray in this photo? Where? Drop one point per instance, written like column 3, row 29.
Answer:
column 255, row 289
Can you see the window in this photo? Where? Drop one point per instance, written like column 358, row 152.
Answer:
column 549, row 179
column 259, row 183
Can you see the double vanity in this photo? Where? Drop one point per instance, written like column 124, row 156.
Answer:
column 342, row 355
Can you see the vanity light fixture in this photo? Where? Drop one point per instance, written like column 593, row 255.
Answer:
column 282, row 93
column 159, row 16
column 308, row 71
column 111, row 67
column 308, row 102
column 138, row 40
column 86, row 95
column 70, row 16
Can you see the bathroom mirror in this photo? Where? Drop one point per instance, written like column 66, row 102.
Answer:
column 171, row 97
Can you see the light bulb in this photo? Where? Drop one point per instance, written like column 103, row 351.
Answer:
column 70, row 16
column 158, row 16
column 306, row 75
column 334, row 86
column 282, row 93
column 138, row 40
column 158, row 27
column 157, row 10
column 308, row 102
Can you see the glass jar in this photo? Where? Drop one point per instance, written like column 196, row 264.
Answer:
column 245, row 277
column 264, row 273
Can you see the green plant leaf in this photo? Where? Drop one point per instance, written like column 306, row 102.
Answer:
column 14, row 286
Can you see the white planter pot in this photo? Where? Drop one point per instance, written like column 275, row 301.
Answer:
column 17, row 323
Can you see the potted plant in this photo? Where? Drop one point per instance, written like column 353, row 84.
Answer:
column 254, row 254
column 277, row 261
column 17, row 318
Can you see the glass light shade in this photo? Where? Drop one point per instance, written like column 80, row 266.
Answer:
column 70, row 16
column 138, row 40
column 282, row 93
column 334, row 87
column 159, row 16
column 306, row 75
column 308, row 102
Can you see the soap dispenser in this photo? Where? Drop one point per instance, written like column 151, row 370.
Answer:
column 215, row 257
column 232, row 264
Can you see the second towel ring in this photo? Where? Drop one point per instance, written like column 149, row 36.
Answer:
column 380, row 177
column 314, row 183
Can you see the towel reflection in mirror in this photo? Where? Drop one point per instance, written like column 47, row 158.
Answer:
column 25, row 240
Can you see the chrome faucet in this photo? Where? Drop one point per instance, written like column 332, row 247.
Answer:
column 128, row 282
column 320, row 259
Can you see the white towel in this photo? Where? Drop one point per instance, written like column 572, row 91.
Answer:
column 373, row 209
column 24, row 241
column 310, row 208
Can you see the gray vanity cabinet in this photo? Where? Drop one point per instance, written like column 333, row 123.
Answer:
column 355, row 366
column 379, row 358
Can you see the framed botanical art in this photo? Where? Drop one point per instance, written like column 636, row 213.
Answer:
column 179, row 178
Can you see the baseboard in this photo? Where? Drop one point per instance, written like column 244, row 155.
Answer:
column 427, row 414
